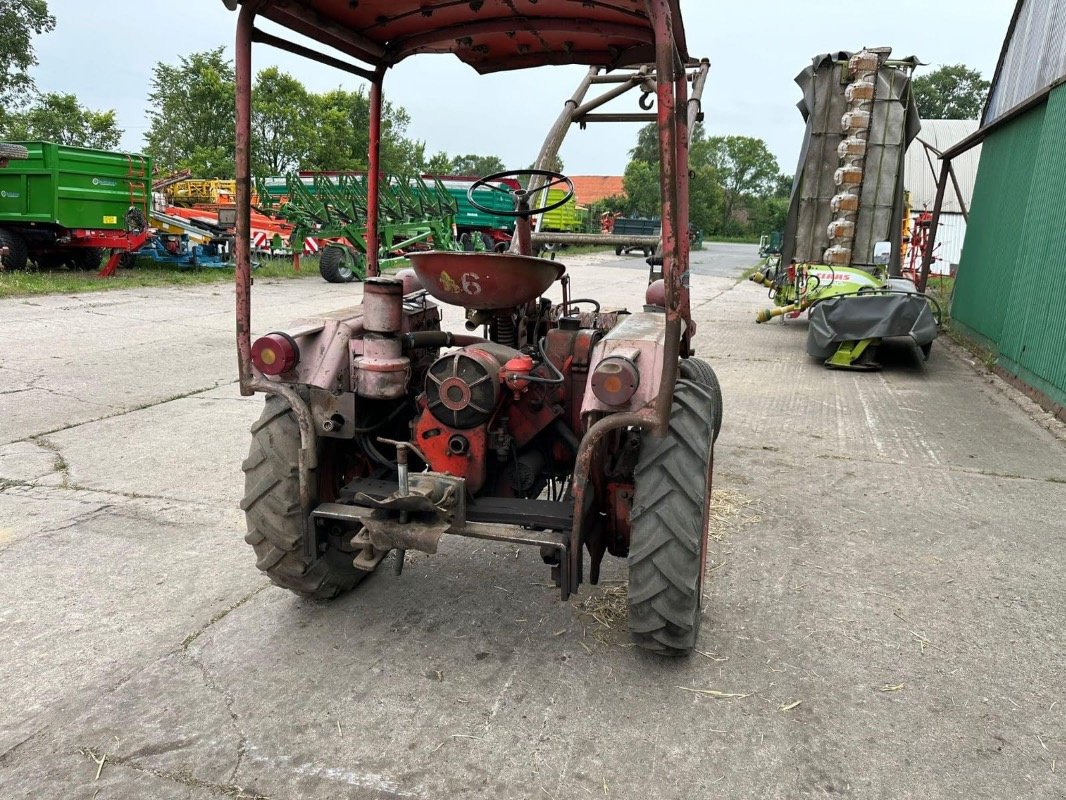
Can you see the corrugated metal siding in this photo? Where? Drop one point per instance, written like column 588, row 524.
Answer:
column 920, row 180
column 950, row 236
column 1014, row 262
column 1035, row 56
column 997, row 219
column 1034, row 337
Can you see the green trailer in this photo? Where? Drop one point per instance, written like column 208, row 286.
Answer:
column 567, row 218
column 67, row 205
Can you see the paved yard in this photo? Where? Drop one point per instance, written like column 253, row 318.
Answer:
column 885, row 615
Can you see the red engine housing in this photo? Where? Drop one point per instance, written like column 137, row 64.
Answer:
column 488, row 425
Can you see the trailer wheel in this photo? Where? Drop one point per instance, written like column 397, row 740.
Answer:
column 272, row 511
column 17, row 254
column 87, row 258
column 338, row 264
column 618, row 250
column 698, row 370
column 668, row 522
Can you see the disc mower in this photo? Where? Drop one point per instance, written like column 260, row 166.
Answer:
column 840, row 257
column 560, row 425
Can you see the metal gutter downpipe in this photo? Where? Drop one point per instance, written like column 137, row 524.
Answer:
column 658, row 416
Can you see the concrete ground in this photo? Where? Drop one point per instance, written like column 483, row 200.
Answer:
column 884, row 615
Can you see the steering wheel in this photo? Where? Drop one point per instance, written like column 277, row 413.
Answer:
column 521, row 196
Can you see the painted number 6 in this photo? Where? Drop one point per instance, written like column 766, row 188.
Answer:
column 470, row 283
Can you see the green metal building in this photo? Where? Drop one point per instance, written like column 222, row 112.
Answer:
column 1008, row 293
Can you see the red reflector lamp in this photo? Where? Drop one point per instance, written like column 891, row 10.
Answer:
column 275, row 353
column 615, row 380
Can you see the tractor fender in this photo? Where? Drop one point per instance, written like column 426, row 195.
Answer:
column 639, row 341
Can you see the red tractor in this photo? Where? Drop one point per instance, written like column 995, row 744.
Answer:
column 562, row 427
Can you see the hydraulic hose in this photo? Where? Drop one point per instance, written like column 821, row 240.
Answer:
column 417, row 340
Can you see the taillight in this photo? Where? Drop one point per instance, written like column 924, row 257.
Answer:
column 615, row 380
column 275, row 353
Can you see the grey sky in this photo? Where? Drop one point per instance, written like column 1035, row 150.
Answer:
column 104, row 53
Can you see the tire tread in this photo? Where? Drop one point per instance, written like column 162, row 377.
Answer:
column 668, row 525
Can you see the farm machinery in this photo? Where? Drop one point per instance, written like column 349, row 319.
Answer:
column 840, row 256
column 70, row 205
column 559, row 425
column 334, row 208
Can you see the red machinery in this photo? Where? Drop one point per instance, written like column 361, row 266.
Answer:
column 559, row 427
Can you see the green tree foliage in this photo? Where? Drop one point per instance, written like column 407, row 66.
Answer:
column 280, row 125
column 641, row 180
column 20, row 21
column 470, row 164
column 783, row 185
column 342, row 137
column 950, row 92
column 745, row 168
column 192, row 121
column 641, row 184
column 61, row 119
column 191, row 109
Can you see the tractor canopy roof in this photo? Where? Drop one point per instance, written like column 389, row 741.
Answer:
column 489, row 35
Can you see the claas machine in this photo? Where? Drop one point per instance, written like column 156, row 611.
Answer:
column 577, row 431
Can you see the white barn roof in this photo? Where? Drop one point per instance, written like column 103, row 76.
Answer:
column 920, row 180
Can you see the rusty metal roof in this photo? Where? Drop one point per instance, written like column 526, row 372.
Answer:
column 489, row 35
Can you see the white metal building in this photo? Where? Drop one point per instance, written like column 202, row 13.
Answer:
column 920, row 171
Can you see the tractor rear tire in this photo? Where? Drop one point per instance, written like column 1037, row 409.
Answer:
column 334, row 265
column 668, row 523
column 698, row 370
column 272, row 510
column 17, row 254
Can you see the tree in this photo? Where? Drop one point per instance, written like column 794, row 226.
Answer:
column 783, row 185
column 744, row 166
column 641, row 184
column 191, row 108
column 950, row 92
column 647, row 148
column 641, row 180
column 471, row 164
column 20, row 21
column 281, row 128
column 439, row 164
column 60, row 118
column 342, row 139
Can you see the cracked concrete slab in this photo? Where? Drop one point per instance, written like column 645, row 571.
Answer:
column 884, row 617
column 187, row 449
column 27, row 462
column 93, row 592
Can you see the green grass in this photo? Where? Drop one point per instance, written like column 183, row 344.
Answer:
column 732, row 239
column 939, row 287
column 63, row 281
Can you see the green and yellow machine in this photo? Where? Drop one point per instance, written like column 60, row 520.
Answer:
column 841, row 252
column 333, row 209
